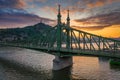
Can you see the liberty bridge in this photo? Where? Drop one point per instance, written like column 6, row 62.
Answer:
column 64, row 41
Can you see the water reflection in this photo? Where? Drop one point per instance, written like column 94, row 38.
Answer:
column 33, row 65
column 103, row 59
column 85, row 68
column 64, row 74
column 13, row 71
column 115, row 67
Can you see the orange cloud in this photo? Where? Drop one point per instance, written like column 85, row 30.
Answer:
column 110, row 1
column 36, row 1
column 18, row 4
column 21, row 3
column 55, row 10
column 103, row 20
column 99, row 3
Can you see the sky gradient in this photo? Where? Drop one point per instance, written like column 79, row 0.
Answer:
column 101, row 17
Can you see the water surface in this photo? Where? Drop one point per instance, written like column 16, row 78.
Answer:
column 25, row 64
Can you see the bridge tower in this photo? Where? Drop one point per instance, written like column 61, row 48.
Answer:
column 62, row 62
column 68, row 19
column 68, row 31
column 59, row 29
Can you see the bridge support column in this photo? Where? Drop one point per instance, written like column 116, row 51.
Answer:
column 62, row 62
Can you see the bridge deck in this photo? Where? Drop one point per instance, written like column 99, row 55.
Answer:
column 74, row 52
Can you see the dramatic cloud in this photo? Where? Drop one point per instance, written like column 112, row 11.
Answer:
column 95, row 12
column 12, row 3
column 81, row 8
column 101, row 21
column 94, row 28
column 36, row 1
column 98, row 3
column 18, row 18
column 13, row 14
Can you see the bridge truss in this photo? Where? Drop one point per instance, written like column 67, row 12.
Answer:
column 66, row 41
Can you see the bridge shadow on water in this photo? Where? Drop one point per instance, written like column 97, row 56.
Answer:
column 64, row 74
column 114, row 67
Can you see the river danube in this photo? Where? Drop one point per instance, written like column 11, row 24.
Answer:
column 25, row 64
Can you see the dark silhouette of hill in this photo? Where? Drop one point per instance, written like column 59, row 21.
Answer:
column 22, row 33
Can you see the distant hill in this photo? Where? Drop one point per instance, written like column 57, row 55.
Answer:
column 117, row 38
column 38, row 27
column 22, row 33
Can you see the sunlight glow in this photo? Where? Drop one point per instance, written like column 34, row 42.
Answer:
column 111, row 31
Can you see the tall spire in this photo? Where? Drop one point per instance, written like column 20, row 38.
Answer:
column 58, row 8
column 59, row 15
column 68, row 19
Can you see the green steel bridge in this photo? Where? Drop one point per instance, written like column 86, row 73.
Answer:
column 62, row 40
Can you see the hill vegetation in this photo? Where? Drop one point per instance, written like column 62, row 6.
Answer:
column 14, row 34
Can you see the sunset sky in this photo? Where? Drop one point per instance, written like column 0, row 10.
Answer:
column 101, row 17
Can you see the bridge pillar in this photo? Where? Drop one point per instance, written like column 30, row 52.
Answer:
column 62, row 62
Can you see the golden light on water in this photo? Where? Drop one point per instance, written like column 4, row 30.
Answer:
column 82, row 63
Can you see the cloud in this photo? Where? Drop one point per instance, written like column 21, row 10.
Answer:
column 54, row 10
column 13, row 14
column 43, row 1
column 98, row 3
column 100, row 21
column 89, row 28
column 19, row 18
column 78, row 9
column 12, row 4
